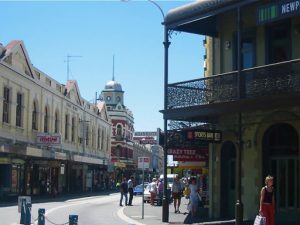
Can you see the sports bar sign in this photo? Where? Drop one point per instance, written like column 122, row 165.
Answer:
column 48, row 139
column 210, row 136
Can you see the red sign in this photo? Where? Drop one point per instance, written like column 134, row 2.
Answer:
column 48, row 139
column 200, row 155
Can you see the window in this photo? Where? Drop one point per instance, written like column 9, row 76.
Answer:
column 46, row 120
column 56, row 123
column 66, row 127
column 102, row 139
column 98, row 139
column 34, row 117
column 87, row 135
column 73, row 129
column 19, row 110
column 6, row 105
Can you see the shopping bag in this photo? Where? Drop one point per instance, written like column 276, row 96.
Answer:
column 260, row 220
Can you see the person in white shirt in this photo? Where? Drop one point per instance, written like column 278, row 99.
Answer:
column 130, row 190
column 153, row 191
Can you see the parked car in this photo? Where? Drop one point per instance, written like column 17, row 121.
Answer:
column 138, row 190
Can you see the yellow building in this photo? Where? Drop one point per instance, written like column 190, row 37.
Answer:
column 250, row 92
column 51, row 139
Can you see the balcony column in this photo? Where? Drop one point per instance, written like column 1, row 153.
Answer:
column 165, row 208
column 239, row 204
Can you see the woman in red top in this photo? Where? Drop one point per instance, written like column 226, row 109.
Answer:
column 267, row 201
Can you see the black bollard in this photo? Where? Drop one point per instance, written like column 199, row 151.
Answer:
column 41, row 218
column 73, row 220
column 23, row 211
column 28, row 214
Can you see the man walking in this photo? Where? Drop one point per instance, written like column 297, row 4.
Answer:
column 130, row 189
column 124, row 191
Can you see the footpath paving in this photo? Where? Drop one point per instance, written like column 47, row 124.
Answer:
column 153, row 215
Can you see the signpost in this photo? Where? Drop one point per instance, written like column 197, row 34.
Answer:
column 143, row 163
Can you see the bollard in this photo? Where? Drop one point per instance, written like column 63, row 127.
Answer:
column 73, row 220
column 28, row 214
column 41, row 218
column 23, row 211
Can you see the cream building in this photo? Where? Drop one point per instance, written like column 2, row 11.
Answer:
column 34, row 109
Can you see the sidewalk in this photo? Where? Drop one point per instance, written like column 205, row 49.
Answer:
column 153, row 214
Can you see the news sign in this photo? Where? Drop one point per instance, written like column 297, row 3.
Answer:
column 48, row 139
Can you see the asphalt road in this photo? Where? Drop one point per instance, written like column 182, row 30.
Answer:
column 96, row 210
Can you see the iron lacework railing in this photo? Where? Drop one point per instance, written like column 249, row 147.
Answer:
column 259, row 81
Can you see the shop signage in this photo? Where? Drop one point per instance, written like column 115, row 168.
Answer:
column 210, row 136
column 200, row 155
column 48, row 139
column 145, row 133
column 143, row 162
column 276, row 11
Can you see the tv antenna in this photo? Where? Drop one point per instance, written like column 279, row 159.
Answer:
column 68, row 63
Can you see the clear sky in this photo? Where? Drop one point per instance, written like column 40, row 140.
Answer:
column 97, row 30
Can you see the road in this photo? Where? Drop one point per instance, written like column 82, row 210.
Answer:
column 94, row 210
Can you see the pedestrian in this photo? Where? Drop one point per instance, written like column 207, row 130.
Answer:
column 194, row 197
column 267, row 201
column 153, row 191
column 160, row 191
column 177, row 193
column 123, row 191
column 130, row 190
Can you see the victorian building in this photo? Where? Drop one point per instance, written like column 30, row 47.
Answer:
column 122, row 130
column 250, row 93
column 51, row 139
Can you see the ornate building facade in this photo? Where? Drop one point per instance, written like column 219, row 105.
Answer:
column 122, row 129
column 51, row 139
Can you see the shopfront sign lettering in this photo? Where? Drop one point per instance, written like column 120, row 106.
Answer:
column 189, row 154
column 48, row 139
column 276, row 11
column 203, row 135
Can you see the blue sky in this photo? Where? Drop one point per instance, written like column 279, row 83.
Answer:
column 97, row 30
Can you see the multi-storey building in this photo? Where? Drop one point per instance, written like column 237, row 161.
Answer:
column 51, row 139
column 250, row 92
column 122, row 129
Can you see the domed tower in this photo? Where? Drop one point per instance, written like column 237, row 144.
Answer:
column 112, row 94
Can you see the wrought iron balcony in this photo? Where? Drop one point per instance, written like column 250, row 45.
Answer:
column 263, row 82
column 255, row 82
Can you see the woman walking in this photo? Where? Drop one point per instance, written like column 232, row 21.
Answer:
column 267, row 201
column 194, row 197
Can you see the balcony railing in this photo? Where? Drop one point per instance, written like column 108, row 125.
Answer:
column 256, row 82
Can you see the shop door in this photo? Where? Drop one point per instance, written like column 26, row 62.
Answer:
column 282, row 161
column 228, row 181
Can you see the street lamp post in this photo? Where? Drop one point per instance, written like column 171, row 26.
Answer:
column 166, row 43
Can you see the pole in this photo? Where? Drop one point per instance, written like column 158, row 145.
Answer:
column 143, row 188
column 239, row 204
column 165, row 208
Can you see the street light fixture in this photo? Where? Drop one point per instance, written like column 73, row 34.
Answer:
column 166, row 43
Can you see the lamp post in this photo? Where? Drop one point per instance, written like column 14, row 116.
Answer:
column 166, row 43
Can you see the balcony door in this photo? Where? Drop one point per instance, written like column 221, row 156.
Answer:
column 228, row 181
column 281, row 159
column 278, row 42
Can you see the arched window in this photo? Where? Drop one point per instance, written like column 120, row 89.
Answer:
column 6, row 105
column 19, row 110
column 119, row 130
column 34, row 116
column 56, row 122
column 73, row 129
column 46, row 120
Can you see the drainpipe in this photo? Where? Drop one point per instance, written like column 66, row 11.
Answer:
column 239, row 204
